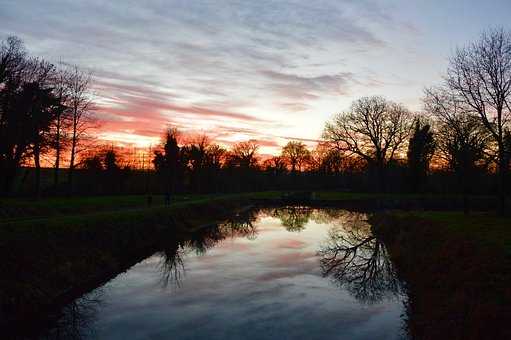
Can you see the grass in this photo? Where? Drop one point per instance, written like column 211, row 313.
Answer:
column 486, row 228
column 15, row 209
column 457, row 271
column 343, row 195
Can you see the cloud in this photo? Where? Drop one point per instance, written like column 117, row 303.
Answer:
column 307, row 87
column 238, row 69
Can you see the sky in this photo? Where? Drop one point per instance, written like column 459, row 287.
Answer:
column 271, row 71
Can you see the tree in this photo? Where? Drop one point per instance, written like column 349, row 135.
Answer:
column 420, row 151
column 27, row 107
column 462, row 139
column 168, row 161
column 111, row 161
column 215, row 155
column 13, row 140
column 327, row 159
column 374, row 129
column 197, row 157
column 296, row 154
column 80, row 106
column 480, row 75
column 244, row 155
column 215, row 158
column 12, row 57
column 61, row 122
column 93, row 163
column 275, row 164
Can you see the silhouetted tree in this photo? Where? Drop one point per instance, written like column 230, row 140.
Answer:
column 480, row 75
column 27, row 108
column 61, row 123
column 93, row 163
column 296, row 155
column 327, row 159
column 374, row 129
column 13, row 141
column 198, row 160
column 80, row 106
column 44, row 106
column 111, row 162
column 169, row 162
column 462, row 139
column 275, row 165
column 215, row 158
column 244, row 155
column 420, row 151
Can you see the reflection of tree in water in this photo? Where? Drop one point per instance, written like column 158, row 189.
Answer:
column 359, row 262
column 171, row 265
column 172, row 255
column 293, row 218
column 77, row 318
column 334, row 216
column 241, row 225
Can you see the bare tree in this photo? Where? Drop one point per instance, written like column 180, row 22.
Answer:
column 296, row 154
column 42, row 106
column 61, row 122
column 374, row 129
column 327, row 159
column 480, row 74
column 462, row 140
column 243, row 154
column 81, row 114
column 276, row 165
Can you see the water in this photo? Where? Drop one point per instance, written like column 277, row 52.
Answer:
column 288, row 273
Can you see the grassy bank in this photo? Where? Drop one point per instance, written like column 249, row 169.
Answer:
column 14, row 208
column 457, row 271
column 48, row 261
column 487, row 229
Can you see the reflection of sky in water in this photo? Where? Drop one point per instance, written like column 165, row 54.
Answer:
column 270, row 287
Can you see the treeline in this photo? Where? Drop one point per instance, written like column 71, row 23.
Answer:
column 460, row 143
column 465, row 127
column 46, row 111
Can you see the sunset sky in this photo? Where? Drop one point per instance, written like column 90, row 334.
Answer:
column 236, row 70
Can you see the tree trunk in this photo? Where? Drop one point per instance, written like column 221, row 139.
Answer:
column 466, row 192
column 57, row 154
column 71, row 165
column 381, row 176
column 37, row 163
column 502, row 183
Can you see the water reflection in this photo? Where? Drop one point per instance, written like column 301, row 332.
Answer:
column 358, row 261
column 171, row 265
column 293, row 218
column 241, row 225
column 249, row 274
column 77, row 319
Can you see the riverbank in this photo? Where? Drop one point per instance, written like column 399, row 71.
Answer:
column 17, row 209
column 55, row 250
column 47, row 262
column 457, row 271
